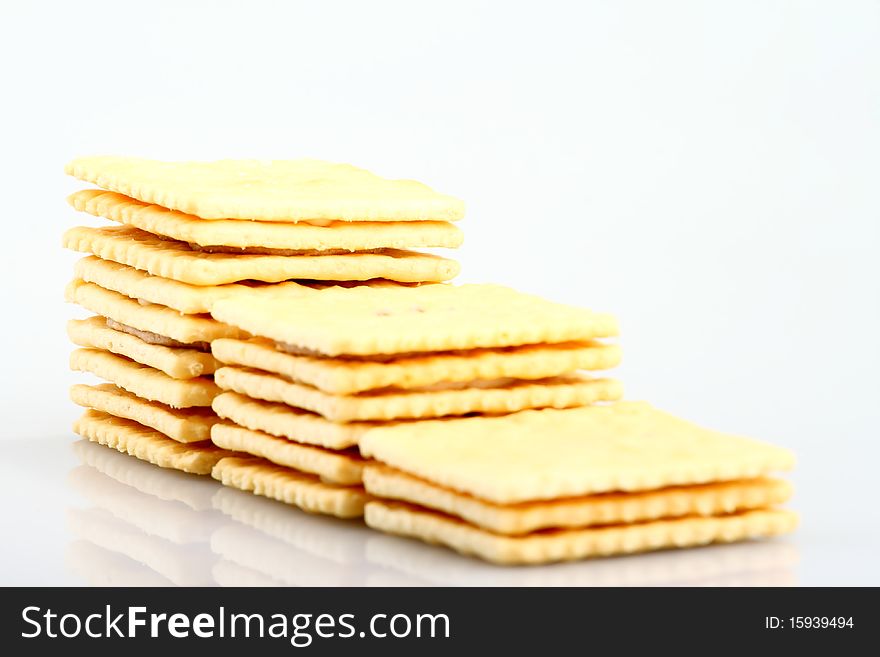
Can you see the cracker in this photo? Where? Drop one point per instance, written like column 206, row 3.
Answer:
column 195, row 492
column 153, row 318
column 285, row 422
column 170, row 259
column 144, row 381
column 300, row 489
column 590, row 510
column 504, row 396
column 191, row 425
column 569, row 544
column 627, row 447
column 147, row 444
column 343, row 468
column 349, row 376
column 175, row 362
column 182, row 297
column 336, row 235
column 261, row 190
column 368, row 320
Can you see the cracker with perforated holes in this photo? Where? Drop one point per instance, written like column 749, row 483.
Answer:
column 147, row 444
column 261, row 190
column 171, row 259
column 176, row 362
column 604, row 509
column 569, row 544
column 548, row 454
column 337, row 467
column 336, row 235
column 349, row 376
column 505, row 396
column 300, row 489
column 286, row 422
column 182, row 297
column 144, row 381
column 369, row 321
column 189, row 425
column 152, row 318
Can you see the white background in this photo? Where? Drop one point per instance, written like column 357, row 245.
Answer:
column 706, row 171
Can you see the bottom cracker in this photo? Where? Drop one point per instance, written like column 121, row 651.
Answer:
column 570, row 544
column 299, row 489
column 147, row 444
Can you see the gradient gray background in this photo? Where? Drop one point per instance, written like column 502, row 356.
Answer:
column 706, row 171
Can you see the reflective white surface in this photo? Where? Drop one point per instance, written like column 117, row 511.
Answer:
column 82, row 514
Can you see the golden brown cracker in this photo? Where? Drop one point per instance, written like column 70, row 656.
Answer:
column 345, row 468
column 175, row 362
column 590, row 510
column 350, row 376
column 285, row 422
column 489, row 397
column 144, row 381
column 336, row 236
column 183, row 425
column 182, row 297
column 390, row 320
column 569, row 544
column 147, row 444
column 263, row 190
column 302, row 490
column 172, row 259
column 548, row 454
column 153, row 318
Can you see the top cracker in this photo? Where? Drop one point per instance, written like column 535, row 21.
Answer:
column 551, row 454
column 277, row 190
column 365, row 321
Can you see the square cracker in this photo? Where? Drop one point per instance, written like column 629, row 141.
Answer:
column 589, row 510
column 336, row 235
column 570, row 544
column 178, row 363
column 185, row 426
column 144, row 381
column 147, row 444
column 369, row 321
column 279, row 190
column 336, row 467
column 187, row 329
column 350, row 376
column 171, row 259
column 182, row 297
column 503, row 396
column 548, row 454
column 300, row 489
column 285, row 422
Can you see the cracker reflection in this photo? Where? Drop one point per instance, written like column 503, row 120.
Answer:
column 146, row 526
column 267, row 543
column 409, row 563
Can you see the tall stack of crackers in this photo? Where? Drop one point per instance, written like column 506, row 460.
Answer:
column 269, row 324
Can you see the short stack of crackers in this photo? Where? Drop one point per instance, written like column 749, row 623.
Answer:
column 260, row 321
column 189, row 234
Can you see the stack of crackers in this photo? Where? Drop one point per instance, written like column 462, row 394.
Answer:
column 264, row 322
column 190, row 234
column 323, row 370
